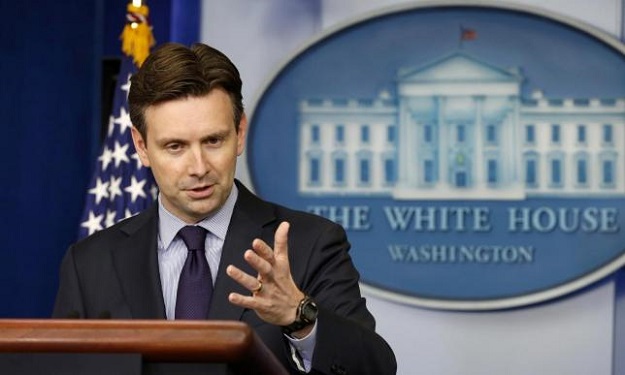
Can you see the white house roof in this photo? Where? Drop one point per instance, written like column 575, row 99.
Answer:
column 458, row 67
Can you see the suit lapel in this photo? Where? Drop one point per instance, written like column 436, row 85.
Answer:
column 248, row 219
column 136, row 263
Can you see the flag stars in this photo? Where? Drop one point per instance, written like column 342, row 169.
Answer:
column 106, row 157
column 120, row 154
column 100, row 190
column 110, row 218
column 154, row 191
column 115, row 187
column 126, row 86
column 123, row 120
column 135, row 189
column 111, row 126
column 93, row 223
column 122, row 186
column 137, row 160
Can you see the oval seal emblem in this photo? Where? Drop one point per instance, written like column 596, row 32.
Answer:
column 473, row 153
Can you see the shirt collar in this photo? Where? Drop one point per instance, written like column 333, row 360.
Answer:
column 216, row 223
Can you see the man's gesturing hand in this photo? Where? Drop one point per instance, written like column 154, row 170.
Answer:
column 275, row 296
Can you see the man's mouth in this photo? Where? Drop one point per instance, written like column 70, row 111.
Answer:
column 198, row 192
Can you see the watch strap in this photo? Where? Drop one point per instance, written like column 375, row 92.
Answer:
column 299, row 322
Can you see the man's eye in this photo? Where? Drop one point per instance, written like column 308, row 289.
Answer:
column 173, row 147
column 214, row 141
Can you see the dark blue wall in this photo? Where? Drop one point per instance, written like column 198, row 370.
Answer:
column 50, row 66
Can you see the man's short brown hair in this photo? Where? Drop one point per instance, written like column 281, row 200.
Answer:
column 175, row 71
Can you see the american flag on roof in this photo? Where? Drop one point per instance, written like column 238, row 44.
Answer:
column 121, row 186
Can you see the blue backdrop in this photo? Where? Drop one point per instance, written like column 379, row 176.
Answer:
column 51, row 60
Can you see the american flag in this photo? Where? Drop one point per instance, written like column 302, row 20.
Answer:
column 120, row 186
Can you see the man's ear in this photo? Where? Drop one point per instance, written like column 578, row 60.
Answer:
column 140, row 146
column 241, row 134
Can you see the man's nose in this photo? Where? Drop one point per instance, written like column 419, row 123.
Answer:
column 198, row 166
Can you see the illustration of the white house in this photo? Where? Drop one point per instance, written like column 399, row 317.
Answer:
column 459, row 128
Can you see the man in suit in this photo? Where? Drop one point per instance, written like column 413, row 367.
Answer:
column 286, row 273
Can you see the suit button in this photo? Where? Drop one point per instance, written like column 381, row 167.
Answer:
column 338, row 369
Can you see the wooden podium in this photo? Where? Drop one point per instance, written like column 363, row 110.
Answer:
column 152, row 345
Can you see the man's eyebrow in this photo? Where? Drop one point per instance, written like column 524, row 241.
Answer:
column 218, row 134
column 166, row 140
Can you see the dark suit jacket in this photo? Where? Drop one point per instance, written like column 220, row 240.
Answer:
column 114, row 274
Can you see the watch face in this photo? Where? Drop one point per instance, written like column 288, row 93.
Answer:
column 309, row 312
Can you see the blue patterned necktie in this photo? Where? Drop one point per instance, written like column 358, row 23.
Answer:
column 195, row 287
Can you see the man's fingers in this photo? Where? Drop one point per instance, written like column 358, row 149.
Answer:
column 240, row 300
column 247, row 281
column 259, row 263
column 263, row 250
column 281, row 240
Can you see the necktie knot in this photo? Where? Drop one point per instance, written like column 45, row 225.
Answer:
column 193, row 236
